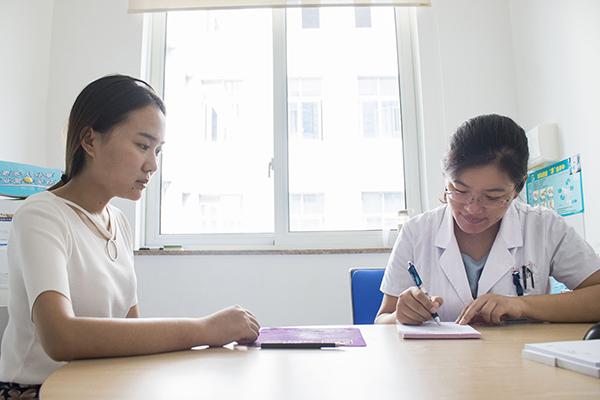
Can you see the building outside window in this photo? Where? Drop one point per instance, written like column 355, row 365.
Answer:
column 310, row 18
column 307, row 211
column 240, row 169
column 380, row 107
column 362, row 17
column 304, row 108
column 380, row 209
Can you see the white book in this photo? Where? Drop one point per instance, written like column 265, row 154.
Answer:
column 431, row 330
column 581, row 356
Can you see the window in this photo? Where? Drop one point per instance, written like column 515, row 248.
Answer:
column 310, row 18
column 380, row 209
column 380, row 107
column 362, row 17
column 279, row 137
column 307, row 211
column 220, row 118
column 304, row 108
column 220, row 109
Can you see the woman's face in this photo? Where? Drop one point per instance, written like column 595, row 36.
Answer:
column 126, row 157
column 479, row 197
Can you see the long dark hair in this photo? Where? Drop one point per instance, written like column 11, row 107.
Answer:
column 489, row 139
column 100, row 106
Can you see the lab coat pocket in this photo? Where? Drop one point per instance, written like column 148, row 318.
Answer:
column 531, row 280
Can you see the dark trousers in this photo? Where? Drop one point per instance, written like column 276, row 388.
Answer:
column 16, row 391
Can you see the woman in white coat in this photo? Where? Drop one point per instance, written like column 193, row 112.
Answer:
column 485, row 256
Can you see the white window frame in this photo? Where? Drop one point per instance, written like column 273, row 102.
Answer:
column 153, row 59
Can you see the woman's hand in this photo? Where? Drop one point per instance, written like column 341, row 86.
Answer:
column 414, row 306
column 232, row 324
column 492, row 309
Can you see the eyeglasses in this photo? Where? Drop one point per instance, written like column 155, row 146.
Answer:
column 466, row 197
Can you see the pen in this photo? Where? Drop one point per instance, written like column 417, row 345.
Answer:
column 296, row 345
column 517, row 282
column 417, row 279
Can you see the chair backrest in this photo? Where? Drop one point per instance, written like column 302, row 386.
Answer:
column 366, row 296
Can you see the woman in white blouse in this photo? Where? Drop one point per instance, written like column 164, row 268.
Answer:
column 72, row 285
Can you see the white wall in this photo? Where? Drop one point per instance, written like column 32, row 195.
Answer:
column 25, row 33
column 557, row 58
column 278, row 289
column 25, row 36
column 90, row 38
column 467, row 69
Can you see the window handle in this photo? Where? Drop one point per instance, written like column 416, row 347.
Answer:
column 270, row 168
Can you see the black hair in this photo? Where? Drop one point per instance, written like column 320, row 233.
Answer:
column 101, row 105
column 489, row 139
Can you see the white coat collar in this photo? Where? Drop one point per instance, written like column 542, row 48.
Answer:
column 500, row 259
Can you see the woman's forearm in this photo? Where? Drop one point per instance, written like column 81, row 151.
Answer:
column 581, row 305
column 78, row 338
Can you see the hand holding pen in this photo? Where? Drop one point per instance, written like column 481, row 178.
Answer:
column 414, row 305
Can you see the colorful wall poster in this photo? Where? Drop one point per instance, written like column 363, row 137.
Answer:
column 23, row 180
column 558, row 186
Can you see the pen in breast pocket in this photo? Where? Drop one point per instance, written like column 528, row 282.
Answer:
column 419, row 283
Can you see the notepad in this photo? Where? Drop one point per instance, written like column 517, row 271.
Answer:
column 581, row 356
column 431, row 330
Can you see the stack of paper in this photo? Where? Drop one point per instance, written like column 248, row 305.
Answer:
column 578, row 355
column 431, row 330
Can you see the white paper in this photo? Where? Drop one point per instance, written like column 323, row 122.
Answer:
column 431, row 330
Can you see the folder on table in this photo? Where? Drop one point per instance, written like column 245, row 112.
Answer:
column 338, row 336
column 581, row 356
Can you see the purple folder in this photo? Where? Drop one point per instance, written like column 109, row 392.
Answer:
column 340, row 336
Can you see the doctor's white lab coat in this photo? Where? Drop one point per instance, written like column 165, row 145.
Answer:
column 534, row 237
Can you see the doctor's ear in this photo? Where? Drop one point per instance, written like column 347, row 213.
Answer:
column 520, row 186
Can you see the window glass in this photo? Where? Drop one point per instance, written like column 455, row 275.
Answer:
column 345, row 149
column 380, row 209
column 220, row 117
column 362, row 17
column 343, row 90
column 310, row 18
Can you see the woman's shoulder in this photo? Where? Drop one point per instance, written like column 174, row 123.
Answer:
column 43, row 202
column 433, row 216
column 540, row 219
column 540, row 213
column 44, row 211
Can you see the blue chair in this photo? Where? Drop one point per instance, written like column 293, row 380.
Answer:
column 366, row 297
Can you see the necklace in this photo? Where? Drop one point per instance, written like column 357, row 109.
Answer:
column 109, row 236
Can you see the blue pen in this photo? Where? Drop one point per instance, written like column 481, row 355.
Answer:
column 419, row 283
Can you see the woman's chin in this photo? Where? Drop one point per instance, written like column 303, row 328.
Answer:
column 472, row 227
column 134, row 195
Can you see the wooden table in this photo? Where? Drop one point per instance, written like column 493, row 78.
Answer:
column 388, row 368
